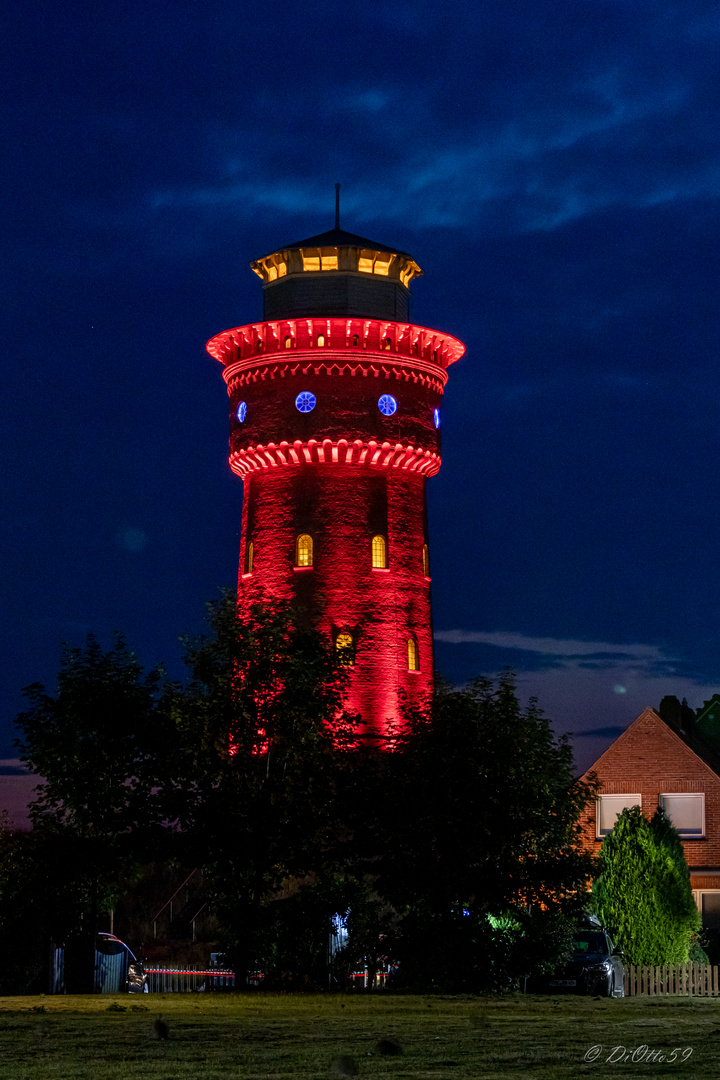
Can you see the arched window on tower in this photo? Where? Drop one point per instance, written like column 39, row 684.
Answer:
column 288, row 342
column 249, row 556
column 413, row 655
column 426, row 561
column 355, row 341
column 320, row 341
column 304, row 550
column 346, row 648
column 379, row 553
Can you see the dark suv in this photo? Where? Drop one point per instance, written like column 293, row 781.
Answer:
column 594, row 966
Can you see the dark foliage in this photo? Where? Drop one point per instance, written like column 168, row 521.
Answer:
column 455, row 857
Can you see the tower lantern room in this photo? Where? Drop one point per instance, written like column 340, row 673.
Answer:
column 336, row 273
column 335, row 422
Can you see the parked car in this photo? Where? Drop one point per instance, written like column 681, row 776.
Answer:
column 594, row 966
column 117, row 969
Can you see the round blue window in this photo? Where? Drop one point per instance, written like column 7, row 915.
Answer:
column 242, row 411
column 305, row 402
column 436, row 417
column 387, row 405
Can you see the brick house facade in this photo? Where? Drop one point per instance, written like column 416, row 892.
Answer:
column 650, row 764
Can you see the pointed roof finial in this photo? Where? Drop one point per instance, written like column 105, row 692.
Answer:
column 337, row 206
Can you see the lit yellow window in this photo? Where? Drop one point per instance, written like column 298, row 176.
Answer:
column 413, row 660
column 365, row 262
column 406, row 275
column 382, row 263
column 426, row 561
column 288, row 342
column 387, row 344
column 311, row 262
column 275, row 268
column 329, row 262
column 304, row 550
column 249, row 556
column 259, row 345
column 344, row 645
column 321, row 341
column 379, row 552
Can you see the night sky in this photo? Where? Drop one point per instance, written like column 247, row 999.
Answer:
column 553, row 167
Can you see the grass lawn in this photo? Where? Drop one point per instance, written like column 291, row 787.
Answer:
column 267, row 1036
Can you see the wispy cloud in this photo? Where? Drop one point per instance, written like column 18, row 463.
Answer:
column 563, row 647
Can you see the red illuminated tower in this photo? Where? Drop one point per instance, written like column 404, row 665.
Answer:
column 334, row 428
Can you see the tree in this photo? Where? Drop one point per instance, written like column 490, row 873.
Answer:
column 643, row 891
column 265, row 744
column 480, row 823
column 102, row 747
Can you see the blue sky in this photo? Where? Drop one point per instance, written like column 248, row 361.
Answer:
column 553, row 167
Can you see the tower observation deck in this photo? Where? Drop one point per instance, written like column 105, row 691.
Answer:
column 335, row 423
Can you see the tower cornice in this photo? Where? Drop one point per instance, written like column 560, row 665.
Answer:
column 308, row 339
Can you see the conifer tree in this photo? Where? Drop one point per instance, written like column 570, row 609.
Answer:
column 643, row 890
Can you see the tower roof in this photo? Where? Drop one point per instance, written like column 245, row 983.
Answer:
column 339, row 238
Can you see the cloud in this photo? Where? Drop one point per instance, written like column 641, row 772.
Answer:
column 611, row 732
column 568, row 648
column 12, row 767
column 593, row 689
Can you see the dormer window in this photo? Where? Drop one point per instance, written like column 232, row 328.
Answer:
column 407, row 274
column 275, row 267
column 375, row 262
column 315, row 259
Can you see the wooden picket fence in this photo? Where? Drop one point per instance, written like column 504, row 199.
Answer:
column 679, row 980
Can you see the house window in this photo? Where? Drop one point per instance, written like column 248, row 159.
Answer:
column 708, row 903
column 609, row 808
column 249, row 556
column 379, row 553
column 426, row 561
column 304, row 550
column 345, row 647
column 686, row 813
column 413, row 657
